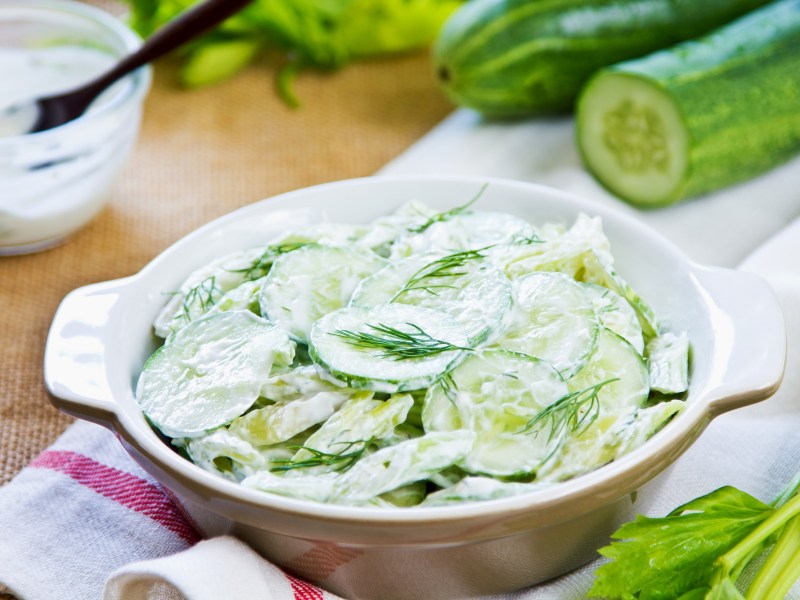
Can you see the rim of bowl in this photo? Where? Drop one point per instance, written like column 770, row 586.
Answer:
column 138, row 81
column 601, row 486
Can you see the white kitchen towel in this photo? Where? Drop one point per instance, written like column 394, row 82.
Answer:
column 84, row 510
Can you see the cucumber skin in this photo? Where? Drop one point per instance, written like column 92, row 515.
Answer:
column 738, row 91
column 514, row 58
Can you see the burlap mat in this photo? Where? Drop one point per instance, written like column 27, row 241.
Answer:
column 201, row 154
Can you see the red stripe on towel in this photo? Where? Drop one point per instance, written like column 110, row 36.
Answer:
column 128, row 490
column 303, row 590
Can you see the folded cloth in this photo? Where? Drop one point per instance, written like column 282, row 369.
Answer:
column 83, row 520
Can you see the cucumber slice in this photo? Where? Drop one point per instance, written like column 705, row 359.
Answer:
column 311, row 282
column 586, row 448
column 374, row 368
column 496, row 393
column 360, row 420
column 278, row 422
column 206, row 451
column 396, row 466
column 554, row 320
column 668, row 359
column 614, row 358
column 211, row 372
column 463, row 284
column 476, row 489
column 301, row 382
column 449, row 232
column 616, row 314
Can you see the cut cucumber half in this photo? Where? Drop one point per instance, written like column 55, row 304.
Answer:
column 211, row 372
column 313, row 281
column 463, row 284
column 616, row 314
column 554, row 320
column 496, row 393
column 373, row 365
column 634, row 138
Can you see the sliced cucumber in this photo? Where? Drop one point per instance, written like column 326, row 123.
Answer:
column 206, row 451
column 461, row 231
column 311, row 282
column 618, row 378
column 475, row 489
column 278, row 422
column 211, row 372
column 464, row 285
column 396, row 466
column 359, row 421
column 616, row 313
column 668, row 359
column 301, row 382
column 374, row 367
column 496, row 393
column 554, row 320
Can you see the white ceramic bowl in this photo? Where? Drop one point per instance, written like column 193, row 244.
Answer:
column 101, row 336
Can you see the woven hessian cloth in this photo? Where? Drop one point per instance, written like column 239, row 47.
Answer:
column 201, row 154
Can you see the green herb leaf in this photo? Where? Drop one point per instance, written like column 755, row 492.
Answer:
column 574, row 412
column 218, row 60
column 340, row 461
column 442, row 268
column 665, row 558
column 397, row 344
column 448, row 214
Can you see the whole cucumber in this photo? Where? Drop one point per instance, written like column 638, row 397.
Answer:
column 511, row 58
column 699, row 116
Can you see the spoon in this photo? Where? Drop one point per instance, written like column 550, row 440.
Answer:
column 55, row 110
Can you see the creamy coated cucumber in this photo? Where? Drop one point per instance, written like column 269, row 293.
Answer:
column 501, row 332
column 699, row 116
column 606, row 393
column 311, row 282
column 554, row 320
column 509, row 58
column 211, row 372
column 495, row 394
column 387, row 348
column 463, row 284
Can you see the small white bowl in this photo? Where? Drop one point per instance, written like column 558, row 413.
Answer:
column 54, row 182
column 101, row 336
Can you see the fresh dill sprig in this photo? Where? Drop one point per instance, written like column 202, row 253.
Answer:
column 448, row 214
column 450, row 388
column 575, row 412
column 447, row 266
column 261, row 265
column 340, row 461
column 519, row 239
column 206, row 293
column 395, row 343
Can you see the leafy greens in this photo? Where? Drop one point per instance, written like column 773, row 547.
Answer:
column 325, row 34
column 700, row 550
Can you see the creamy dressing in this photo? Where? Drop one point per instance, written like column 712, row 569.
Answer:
column 53, row 183
column 33, row 73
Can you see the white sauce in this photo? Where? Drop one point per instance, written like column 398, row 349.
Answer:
column 28, row 74
column 51, row 187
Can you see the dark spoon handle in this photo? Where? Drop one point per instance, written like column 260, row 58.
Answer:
column 183, row 28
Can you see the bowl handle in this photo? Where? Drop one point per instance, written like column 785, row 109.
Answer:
column 75, row 372
column 755, row 347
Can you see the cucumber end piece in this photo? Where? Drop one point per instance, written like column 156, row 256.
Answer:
column 633, row 139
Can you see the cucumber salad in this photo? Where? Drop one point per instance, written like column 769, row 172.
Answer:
column 423, row 359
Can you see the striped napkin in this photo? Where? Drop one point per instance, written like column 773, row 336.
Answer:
column 83, row 521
